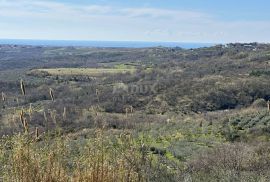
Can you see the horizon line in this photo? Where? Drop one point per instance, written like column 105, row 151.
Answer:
column 139, row 41
column 89, row 40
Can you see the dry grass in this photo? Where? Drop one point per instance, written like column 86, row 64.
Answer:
column 25, row 160
column 22, row 87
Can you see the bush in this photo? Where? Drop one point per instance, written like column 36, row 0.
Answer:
column 259, row 103
column 232, row 162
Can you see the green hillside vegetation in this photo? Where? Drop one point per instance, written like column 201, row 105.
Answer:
column 148, row 114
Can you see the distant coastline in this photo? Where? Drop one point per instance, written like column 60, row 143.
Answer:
column 124, row 44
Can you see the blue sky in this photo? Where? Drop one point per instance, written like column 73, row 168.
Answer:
column 208, row 21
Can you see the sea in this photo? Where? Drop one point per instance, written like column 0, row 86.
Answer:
column 106, row 44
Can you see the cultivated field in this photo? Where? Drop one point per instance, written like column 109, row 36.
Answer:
column 84, row 71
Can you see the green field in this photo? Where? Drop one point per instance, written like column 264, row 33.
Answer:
column 85, row 71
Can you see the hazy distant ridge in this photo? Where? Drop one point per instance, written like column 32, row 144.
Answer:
column 131, row 44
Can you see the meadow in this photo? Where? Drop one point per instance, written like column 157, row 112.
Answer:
column 84, row 71
column 194, row 115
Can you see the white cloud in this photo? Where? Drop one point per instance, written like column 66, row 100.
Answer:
column 163, row 13
column 54, row 20
column 38, row 7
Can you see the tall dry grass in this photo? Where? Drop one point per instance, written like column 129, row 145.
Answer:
column 22, row 87
column 3, row 96
column 51, row 94
column 61, row 159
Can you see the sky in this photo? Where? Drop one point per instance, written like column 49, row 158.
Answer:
column 200, row 21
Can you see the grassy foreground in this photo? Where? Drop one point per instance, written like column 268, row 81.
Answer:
column 107, row 155
column 123, row 158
